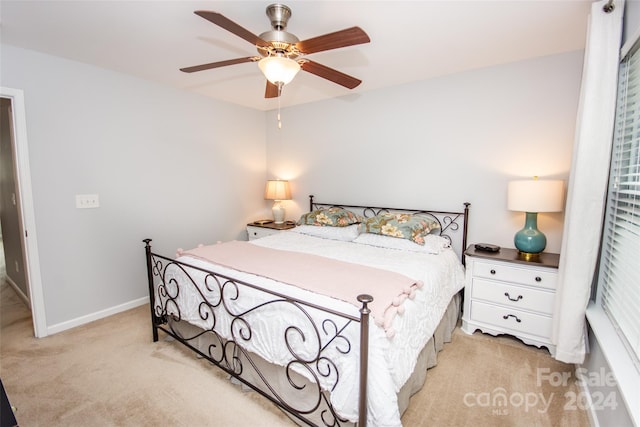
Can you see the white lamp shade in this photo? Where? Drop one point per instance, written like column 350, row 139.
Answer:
column 535, row 195
column 278, row 69
column 277, row 190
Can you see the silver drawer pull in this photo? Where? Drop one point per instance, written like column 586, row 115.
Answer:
column 506, row 294
column 512, row 315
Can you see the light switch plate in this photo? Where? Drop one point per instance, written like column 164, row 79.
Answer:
column 87, row 201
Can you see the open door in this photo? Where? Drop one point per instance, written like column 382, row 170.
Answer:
column 26, row 265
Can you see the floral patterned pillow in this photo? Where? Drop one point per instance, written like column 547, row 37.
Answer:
column 331, row 217
column 412, row 227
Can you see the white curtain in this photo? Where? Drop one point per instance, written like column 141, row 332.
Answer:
column 587, row 186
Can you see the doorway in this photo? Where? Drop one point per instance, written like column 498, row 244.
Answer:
column 13, row 258
column 23, row 260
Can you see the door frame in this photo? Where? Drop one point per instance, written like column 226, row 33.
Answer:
column 27, row 213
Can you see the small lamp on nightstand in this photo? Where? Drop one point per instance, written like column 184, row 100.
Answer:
column 277, row 190
column 533, row 196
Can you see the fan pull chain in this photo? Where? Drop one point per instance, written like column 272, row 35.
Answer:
column 279, row 121
column 279, row 96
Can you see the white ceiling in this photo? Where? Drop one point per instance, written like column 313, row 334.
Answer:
column 410, row 40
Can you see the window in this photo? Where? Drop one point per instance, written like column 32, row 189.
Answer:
column 619, row 278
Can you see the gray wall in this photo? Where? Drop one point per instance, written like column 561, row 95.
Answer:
column 611, row 409
column 176, row 167
column 437, row 143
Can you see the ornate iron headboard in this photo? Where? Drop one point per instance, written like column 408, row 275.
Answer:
column 453, row 225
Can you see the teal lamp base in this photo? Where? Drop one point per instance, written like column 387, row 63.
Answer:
column 530, row 241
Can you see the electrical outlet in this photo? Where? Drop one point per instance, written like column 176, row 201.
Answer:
column 87, row 201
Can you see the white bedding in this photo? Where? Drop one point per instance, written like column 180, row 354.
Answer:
column 391, row 360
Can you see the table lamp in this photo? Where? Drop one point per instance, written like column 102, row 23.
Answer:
column 277, row 190
column 533, row 196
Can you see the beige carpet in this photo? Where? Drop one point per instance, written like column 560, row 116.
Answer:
column 474, row 372
column 110, row 373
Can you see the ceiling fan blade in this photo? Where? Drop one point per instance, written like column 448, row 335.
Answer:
column 330, row 74
column 218, row 64
column 349, row 37
column 271, row 91
column 229, row 25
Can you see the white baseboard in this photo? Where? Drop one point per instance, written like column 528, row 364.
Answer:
column 54, row 329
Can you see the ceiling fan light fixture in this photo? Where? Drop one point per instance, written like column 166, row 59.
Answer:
column 279, row 69
column 281, row 54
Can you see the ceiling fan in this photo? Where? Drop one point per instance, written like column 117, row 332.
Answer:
column 281, row 53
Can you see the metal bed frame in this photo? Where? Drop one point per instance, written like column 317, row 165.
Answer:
column 325, row 328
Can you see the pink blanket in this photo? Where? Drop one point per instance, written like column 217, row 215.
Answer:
column 334, row 278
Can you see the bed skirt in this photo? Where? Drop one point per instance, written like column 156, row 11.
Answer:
column 428, row 357
column 280, row 386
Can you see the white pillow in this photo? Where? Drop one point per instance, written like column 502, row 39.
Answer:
column 345, row 234
column 432, row 244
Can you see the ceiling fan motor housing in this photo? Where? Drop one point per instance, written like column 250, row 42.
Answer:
column 282, row 42
column 279, row 15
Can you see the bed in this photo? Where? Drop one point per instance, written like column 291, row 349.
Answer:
column 335, row 321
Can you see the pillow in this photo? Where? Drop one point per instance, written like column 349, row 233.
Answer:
column 332, row 217
column 345, row 234
column 432, row 244
column 405, row 226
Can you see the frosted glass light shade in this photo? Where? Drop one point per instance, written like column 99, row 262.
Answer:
column 535, row 195
column 278, row 69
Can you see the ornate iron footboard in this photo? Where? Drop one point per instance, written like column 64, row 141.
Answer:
column 314, row 335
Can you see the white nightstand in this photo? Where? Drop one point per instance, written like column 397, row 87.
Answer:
column 256, row 230
column 505, row 294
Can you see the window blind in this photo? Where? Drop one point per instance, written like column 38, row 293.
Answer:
column 619, row 277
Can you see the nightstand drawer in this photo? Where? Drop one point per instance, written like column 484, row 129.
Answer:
column 525, row 276
column 509, row 319
column 260, row 229
column 518, row 297
column 257, row 232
